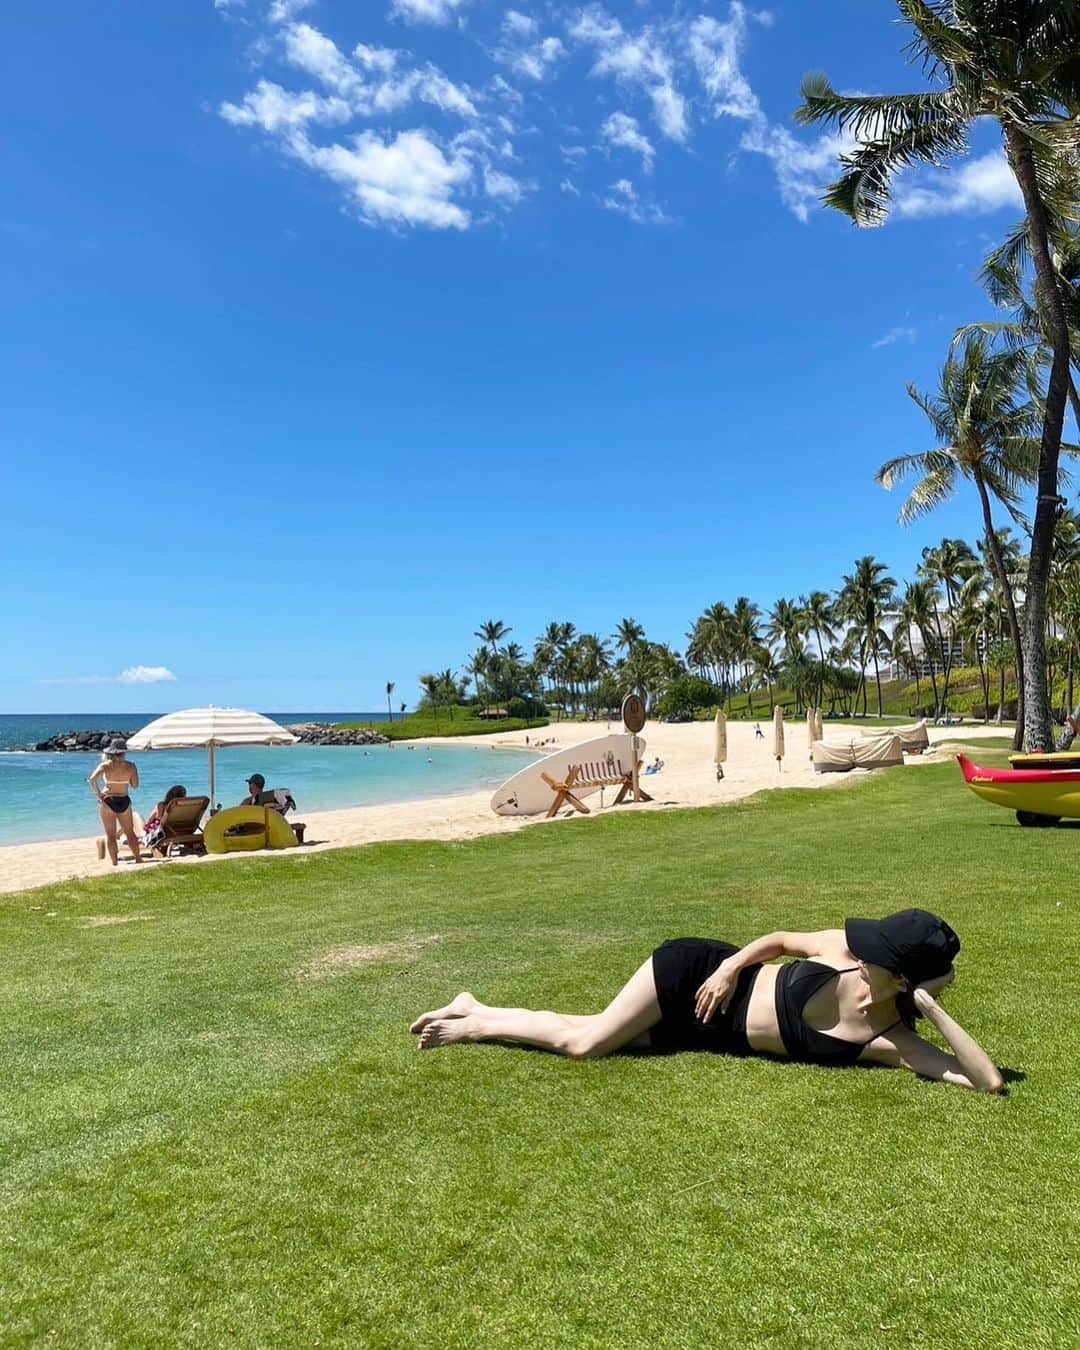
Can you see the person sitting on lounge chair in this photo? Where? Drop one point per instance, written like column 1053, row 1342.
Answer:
column 154, row 831
column 277, row 799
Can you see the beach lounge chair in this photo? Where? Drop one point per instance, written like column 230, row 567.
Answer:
column 180, row 826
column 281, row 800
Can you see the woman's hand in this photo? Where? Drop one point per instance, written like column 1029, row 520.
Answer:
column 924, row 999
column 715, row 994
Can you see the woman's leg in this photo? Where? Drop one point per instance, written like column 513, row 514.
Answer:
column 108, row 824
column 467, row 1003
column 632, row 1011
column 127, row 824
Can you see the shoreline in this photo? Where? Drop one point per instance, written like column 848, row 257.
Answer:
column 687, row 780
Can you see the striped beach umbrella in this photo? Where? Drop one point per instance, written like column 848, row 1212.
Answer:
column 213, row 728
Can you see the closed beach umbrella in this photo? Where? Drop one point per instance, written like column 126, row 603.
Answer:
column 778, row 736
column 811, row 728
column 210, row 727
column 819, row 725
column 720, row 743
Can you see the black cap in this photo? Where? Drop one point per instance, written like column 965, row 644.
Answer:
column 913, row 943
column 257, row 778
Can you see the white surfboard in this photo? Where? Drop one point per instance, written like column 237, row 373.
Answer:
column 526, row 793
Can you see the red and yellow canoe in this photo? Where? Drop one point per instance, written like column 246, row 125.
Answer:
column 1038, row 796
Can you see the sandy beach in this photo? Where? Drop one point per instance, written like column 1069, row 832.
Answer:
column 687, row 779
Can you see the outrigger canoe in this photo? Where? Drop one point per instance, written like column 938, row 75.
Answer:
column 1046, row 759
column 1038, row 796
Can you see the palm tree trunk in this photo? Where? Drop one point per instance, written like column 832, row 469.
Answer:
column 1037, row 723
column 1010, row 604
column 877, row 678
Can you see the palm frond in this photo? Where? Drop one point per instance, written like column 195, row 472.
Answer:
column 863, row 191
column 937, row 487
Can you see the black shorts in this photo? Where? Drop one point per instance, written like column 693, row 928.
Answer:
column 680, row 968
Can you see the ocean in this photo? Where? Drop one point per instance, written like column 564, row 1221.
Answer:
column 45, row 796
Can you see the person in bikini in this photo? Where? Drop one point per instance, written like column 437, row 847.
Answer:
column 119, row 776
column 852, row 995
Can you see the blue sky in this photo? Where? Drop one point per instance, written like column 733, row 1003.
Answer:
column 334, row 329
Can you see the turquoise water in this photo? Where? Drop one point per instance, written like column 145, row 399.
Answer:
column 45, row 796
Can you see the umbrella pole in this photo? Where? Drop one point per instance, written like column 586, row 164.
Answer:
column 211, row 777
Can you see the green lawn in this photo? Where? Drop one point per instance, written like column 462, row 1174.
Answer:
column 464, row 722
column 216, row 1130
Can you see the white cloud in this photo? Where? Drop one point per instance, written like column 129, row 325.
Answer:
column 974, row 188
column 426, row 11
column 902, row 333
column 802, row 168
column 623, row 197
column 133, row 675
column 520, row 47
column 637, row 59
column 378, row 85
column 716, row 51
column 226, row 5
column 519, row 24
column 568, row 187
column 284, row 11
column 274, row 109
column 504, row 188
column 146, row 675
column 402, row 179
column 622, row 130
column 315, row 54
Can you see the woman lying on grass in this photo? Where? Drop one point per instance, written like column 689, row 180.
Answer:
column 851, row 997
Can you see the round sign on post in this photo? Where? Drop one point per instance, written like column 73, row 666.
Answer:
column 633, row 713
column 633, row 716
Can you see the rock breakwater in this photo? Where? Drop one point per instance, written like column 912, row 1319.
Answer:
column 89, row 742
column 325, row 733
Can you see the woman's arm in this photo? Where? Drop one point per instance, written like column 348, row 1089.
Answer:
column 968, row 1066
column 717, row 990
column 92, row 780
column 134, row 779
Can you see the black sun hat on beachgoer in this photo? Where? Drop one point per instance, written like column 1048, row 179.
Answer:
column 913, row 943
column 117, row 746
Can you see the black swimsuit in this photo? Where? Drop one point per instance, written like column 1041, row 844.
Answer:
column 681, row 967
column 117, row 804
column 796, row 985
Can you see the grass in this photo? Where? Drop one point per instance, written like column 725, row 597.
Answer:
column 463, row 723
column 216, row 1130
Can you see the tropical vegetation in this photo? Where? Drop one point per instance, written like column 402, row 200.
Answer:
column 1015, row 63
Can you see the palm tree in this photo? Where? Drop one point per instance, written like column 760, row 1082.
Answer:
column 766, row 668
column 1016, row 62
column 492, row 632
column 987, row 436
column 477, row 669
column 389, row 706
column 817, row 614
column 430, row 686
column 786, row 626
column 1004, row 277
column 628, row 633
column 864, row 599
column 918, row 610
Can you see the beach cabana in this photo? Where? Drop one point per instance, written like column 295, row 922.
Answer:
column 212, row 728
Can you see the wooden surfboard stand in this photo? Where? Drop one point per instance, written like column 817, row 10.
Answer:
column 595, row 776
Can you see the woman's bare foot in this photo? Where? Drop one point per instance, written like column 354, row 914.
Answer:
column 447, row 1030
column 459, row 1007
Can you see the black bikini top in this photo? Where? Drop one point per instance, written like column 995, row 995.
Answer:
column 796, row 985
